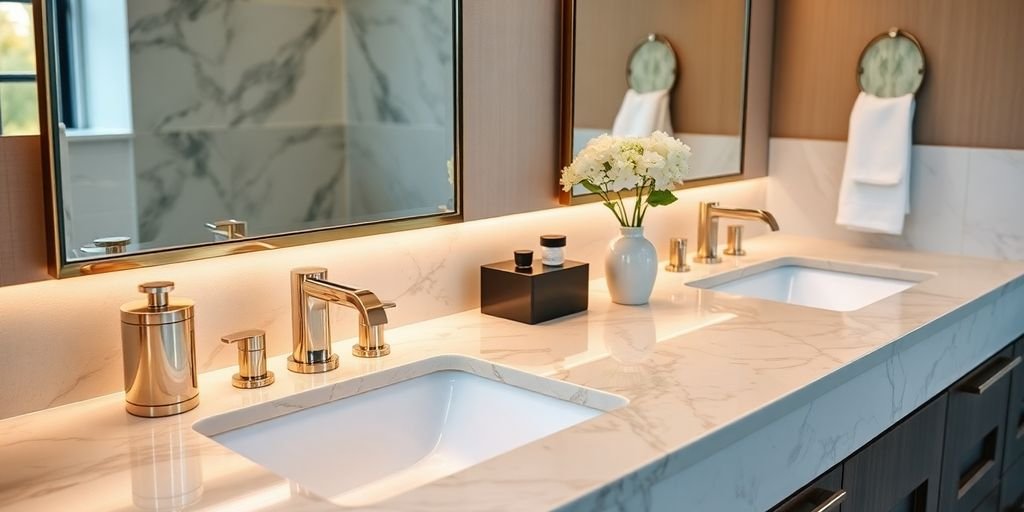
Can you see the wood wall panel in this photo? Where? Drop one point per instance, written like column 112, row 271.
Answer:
column 22, row 223
column 972, row 95
column 511, row 64
column 707, row 36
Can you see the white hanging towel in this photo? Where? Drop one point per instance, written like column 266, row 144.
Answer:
column 875, row 192
column 642, row 114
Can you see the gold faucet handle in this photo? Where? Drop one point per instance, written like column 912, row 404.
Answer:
column 677, row 255
column 248, row 340
column 734, row 244
column 252, row 359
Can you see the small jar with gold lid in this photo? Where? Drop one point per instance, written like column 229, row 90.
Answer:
column 158, row 344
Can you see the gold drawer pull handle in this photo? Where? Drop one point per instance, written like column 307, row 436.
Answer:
column 831, row 504
column 983, row 386
column 827, row 501
column 975, row 475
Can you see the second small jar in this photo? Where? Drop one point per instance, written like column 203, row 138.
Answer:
column 552, row 250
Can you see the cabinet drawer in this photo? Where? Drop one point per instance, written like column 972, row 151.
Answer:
column 975, row 434
column 990, row 503
column 1015, row 418
column 1011, row 496
column 825, row 494
column 899, row 470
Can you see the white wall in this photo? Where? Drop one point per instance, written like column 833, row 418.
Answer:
column 99, row 188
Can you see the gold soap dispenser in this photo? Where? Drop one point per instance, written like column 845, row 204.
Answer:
column 158, row 343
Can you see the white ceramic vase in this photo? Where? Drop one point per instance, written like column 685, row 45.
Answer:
column 630, row 267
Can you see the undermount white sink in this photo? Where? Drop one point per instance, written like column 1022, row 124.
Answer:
column 831, row 285
column 443, row 415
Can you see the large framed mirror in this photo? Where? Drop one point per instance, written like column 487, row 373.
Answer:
column 678, row 66
column 183, row 130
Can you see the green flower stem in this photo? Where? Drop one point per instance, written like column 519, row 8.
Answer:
column 607, row 199
column 636, row 205
column 622, row 206
column 643, row 210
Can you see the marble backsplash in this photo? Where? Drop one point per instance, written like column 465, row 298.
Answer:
column 60, row 340
column 963, row 200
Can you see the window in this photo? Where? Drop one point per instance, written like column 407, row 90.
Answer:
column 19, row 106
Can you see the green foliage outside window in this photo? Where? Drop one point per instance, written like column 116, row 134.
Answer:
column 19, row 110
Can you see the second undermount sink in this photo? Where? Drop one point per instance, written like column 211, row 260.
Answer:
column 416, row 423
column 821, row 284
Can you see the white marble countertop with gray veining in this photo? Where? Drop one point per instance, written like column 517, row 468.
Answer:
column 700, row 369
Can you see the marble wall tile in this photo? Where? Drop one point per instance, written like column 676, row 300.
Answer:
column 803, row 187
column 399, row 65
column 955, row 207
column 242, row 109
column 212, row 63
column 994, row 224
column 428, row 272
column 937, row 199
column 399, row 82
column 397, row 170
column 237, row 114
column 275, row 178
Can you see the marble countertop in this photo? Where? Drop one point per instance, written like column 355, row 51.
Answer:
column 701, row 369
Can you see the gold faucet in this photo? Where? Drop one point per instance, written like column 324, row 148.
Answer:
column 707, row 228
column 311, row 324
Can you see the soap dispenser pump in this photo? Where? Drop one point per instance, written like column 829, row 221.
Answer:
column 158, row 344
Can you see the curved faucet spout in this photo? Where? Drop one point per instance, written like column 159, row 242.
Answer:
column 746, row 214
column 370, row 308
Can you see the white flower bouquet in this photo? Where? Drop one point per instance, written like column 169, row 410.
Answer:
column 647, row 166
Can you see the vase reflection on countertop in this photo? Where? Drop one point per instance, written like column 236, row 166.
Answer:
column 631, row 343
column 167, row 474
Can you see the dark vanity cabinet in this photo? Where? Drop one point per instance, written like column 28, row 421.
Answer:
column 901, row 469
column 1015, row 418
column 976, row 434
column 1011, row 494
column 825, row 494
column 961, row 452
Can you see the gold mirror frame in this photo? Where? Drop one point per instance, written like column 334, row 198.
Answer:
column 60, row 267
column 754, row 126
